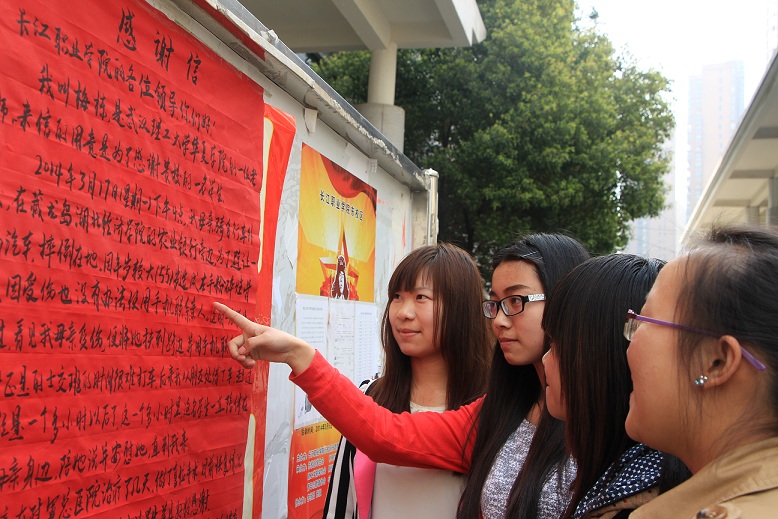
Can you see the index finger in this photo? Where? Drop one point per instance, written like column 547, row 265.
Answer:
column 239, row 319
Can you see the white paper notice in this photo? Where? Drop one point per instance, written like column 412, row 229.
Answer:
column 311, row 326
column 367, row 356
column 340, row 336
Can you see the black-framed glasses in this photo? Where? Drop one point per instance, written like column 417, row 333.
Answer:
column 510, row 305
column 633, row 323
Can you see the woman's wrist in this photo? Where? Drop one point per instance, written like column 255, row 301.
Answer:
column 300, row 356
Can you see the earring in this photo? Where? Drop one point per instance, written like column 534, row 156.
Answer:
column 700, row 381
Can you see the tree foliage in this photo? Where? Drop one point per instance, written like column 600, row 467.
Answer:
column 541, row 127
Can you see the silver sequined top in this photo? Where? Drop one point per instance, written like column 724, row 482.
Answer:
column 555, row 495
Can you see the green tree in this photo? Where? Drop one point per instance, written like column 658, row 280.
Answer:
column 541, row 127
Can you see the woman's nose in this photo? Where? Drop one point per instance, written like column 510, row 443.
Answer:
column 501, row 320
column 406, row 309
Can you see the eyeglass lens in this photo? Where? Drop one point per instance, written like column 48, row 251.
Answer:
column 490, row 309
column 630, row 327
column 510, row 305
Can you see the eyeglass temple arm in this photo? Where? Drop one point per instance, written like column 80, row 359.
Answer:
column 750, row 358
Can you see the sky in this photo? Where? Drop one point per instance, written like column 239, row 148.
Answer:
column 678, row 37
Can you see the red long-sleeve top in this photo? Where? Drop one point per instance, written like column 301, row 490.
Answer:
column 424, row 440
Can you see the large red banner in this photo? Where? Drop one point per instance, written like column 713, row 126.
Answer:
column 130, row 180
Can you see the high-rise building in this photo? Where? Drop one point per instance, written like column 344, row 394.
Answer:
column 658, row 237
column 715, row 108
column 772, row 29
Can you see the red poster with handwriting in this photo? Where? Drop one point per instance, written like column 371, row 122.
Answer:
column 130, row 182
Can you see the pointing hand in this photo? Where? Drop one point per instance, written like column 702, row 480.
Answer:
column 258, row 342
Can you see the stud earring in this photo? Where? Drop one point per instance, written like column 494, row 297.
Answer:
column 700, row 381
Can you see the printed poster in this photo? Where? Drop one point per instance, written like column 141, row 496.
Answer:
column 336, row 233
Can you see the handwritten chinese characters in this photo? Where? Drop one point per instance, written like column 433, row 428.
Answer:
column 129, row 200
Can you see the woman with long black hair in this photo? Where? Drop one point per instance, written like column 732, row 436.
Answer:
column 588, row 386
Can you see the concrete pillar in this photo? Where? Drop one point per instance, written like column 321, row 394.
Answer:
column 380, row 109
column 752, row 214
column 383, row 75
column 772, row 202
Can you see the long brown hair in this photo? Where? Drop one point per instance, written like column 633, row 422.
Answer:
column 461, row 330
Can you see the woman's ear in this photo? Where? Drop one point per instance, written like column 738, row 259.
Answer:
column 721, row 362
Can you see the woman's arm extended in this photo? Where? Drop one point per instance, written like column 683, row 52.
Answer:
column 426, row 440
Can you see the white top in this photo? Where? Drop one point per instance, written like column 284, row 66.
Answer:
column 411, row 493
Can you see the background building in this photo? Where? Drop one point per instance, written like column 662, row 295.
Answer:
column 744, row 187
column 772, row 29
column 658, row 237
column 715, row 108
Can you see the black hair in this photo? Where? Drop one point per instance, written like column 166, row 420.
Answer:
column 585, row 320
column 512, row 391
column 731, row 288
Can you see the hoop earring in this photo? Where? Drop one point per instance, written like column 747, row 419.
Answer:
column 700, row 381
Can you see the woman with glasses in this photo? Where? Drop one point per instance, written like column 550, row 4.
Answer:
column 588, row 387
column 703, row 357
column 511, row 448
column 519, row 467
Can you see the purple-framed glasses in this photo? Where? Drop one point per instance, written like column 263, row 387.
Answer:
column 634, row 319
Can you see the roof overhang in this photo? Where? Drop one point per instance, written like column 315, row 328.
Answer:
column 334, row 25
column 743, row 176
